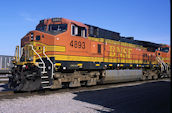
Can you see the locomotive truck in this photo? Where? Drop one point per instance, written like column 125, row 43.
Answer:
column 63, row 52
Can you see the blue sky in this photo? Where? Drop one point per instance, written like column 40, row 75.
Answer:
column 147, row 20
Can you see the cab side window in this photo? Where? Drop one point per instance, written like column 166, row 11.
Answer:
column 166, row 49
column 99, row 48
column 78, row 31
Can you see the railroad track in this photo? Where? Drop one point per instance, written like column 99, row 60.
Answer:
column 12, row 94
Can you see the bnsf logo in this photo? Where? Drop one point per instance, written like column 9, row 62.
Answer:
column 116, row 51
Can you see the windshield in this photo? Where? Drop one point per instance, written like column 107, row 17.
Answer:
column 57, row 27
column 41, row 28
column 53, row 29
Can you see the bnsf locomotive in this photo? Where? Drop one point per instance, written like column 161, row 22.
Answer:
column 63, row 52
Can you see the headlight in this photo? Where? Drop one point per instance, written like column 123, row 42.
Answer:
column 31, row 36
column 24, row 66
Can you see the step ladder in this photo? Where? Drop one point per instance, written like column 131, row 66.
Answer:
column 45, row 82
column 45, row 79
column 164, row 67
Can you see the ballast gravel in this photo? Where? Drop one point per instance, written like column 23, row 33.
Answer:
column 54, row 103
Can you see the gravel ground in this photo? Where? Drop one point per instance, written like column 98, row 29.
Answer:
column 117, row 98
column 54, row 103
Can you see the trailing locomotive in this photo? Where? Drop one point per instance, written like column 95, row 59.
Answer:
column 64, row 52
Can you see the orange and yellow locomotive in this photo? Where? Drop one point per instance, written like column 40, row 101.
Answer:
column 63, row 52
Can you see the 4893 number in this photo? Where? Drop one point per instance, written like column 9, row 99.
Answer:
column 77, row 44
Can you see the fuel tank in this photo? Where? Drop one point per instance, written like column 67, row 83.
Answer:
column 114, row 76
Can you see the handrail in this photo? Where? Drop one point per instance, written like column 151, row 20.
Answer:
column 52, row 69
column 39, row 58
column 17, row 57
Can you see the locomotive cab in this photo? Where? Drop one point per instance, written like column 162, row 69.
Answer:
column 164, row 53
column 51, row 35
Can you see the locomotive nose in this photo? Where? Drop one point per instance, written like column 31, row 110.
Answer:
column 35, row 36
column 32, row 36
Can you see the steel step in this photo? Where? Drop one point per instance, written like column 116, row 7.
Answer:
column 44, row 77
column 44, row 72
column 45, row 82
column 46, row 87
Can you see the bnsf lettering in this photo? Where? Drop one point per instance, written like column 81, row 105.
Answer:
column 120, row 52
column 77, row 44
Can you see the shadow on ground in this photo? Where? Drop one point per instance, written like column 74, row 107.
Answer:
column 151, row 97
